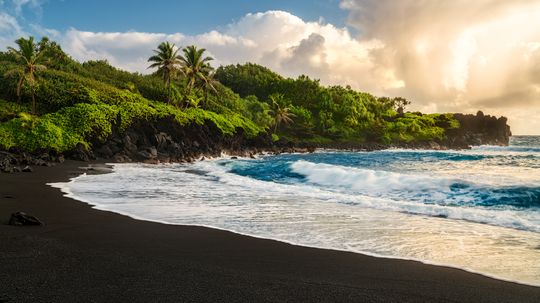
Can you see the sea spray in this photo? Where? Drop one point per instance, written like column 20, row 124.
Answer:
column 476, row 209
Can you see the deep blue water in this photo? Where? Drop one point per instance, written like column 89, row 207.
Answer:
column 488, row 176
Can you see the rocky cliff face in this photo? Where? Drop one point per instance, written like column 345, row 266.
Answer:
column 166, row 141
column 478, row 129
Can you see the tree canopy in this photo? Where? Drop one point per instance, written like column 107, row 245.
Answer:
column 29, row 60
column 247, row 96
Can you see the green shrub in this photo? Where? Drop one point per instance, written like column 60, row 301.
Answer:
column 84, row 123
column 10, row 110
column 60, row 131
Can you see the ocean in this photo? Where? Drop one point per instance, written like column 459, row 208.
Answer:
column 477, row 209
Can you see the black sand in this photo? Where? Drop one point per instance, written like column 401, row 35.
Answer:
column 86, row 255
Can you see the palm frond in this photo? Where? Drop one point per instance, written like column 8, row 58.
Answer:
column 17, row 71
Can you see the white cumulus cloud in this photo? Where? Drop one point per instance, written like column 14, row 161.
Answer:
column 9, row 30
column 459, row 55
column 277, row 39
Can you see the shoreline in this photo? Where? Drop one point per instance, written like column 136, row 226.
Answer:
column 238, row 267
column 108, row 167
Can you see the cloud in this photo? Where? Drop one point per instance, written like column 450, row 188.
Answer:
column 459, row 55
column 309, row 56
column 18, row 5
column 11, row 27
column 9, row 30
column 277, row 39
column 8, row 24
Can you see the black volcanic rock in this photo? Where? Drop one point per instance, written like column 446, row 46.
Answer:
column 81, row 153
column 165, row 140
column 21, row 219
column 12, row 160
column 478, row 129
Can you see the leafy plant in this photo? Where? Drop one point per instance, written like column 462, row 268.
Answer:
column 280, row 111
column 29, row 59
column 196, row 67
column 167, row 61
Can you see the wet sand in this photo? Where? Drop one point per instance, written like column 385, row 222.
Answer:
column 87, row 255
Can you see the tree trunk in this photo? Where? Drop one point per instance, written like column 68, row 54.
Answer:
column 33, row 103
column 19, row 87
column 168, row 91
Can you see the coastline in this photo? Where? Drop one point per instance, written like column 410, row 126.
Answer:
column 102, row 256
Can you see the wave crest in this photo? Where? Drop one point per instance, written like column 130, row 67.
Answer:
column 428, row 189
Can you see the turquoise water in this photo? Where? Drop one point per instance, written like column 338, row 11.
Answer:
column 486, row 178
column 476, row 209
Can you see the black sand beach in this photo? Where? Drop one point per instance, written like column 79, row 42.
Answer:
column 87, row 255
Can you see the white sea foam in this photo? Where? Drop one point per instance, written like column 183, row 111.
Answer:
column 340, row 207
column 362, row 180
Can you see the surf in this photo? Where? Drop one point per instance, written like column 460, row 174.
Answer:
column 475, row 209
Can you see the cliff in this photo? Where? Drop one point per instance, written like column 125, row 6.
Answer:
column 164, row 140
column 478, row 129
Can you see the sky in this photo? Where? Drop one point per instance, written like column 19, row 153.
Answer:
column 444, row 56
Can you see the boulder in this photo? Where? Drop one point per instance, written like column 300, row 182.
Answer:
column 148, row 153
column 104, row 151
column 80, row 153
column 121, row 158
column 129, row 147
column 163, row 140
column 115, row 148
column 22, row 219
column 153, row 151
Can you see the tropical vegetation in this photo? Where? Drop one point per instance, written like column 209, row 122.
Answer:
column 167, row 61
column 29, row 61
column 81, row 103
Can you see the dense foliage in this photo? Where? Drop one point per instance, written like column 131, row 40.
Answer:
column 334, row 113
column 82, row 103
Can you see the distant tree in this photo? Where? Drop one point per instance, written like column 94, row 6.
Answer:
column 29, row 59
column 249, row 79
column 258, row 111
column 280, row 111
column 196, row 67
column 168, row 62
column 54, row 56
column 397, row 103
column 400, row 104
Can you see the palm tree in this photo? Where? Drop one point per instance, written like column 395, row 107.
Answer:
column 29, row 58
column 280, row 112
column 167, row 61
column 197, row 69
